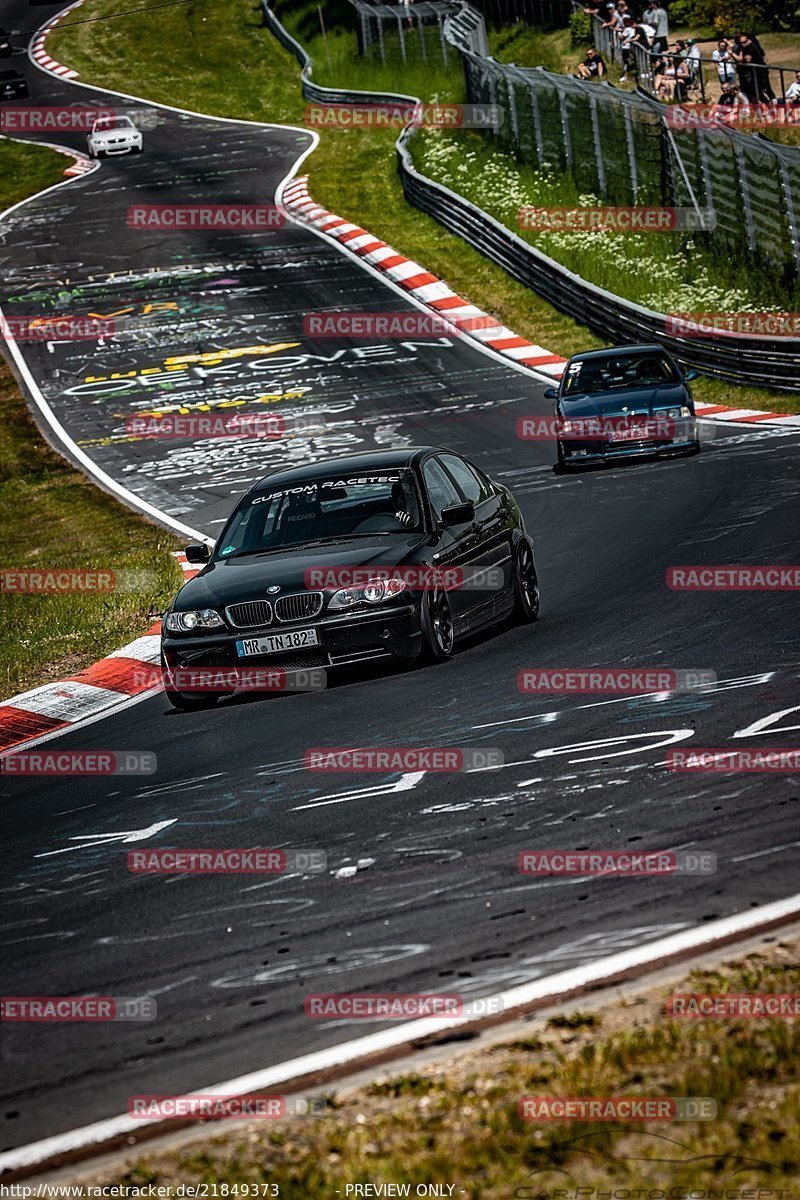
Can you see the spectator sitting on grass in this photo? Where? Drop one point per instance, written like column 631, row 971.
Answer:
column 592, row 66
column 656, row 16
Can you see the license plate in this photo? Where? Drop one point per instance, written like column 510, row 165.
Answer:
column 636, row 433
column 298, row 639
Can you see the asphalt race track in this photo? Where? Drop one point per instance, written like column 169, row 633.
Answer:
column 436, row 902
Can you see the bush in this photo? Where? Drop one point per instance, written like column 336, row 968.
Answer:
column 580, row 29
column 684, row 13
column 737, row 16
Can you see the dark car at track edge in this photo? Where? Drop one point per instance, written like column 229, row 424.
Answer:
column 386, row 555
column 623, row 402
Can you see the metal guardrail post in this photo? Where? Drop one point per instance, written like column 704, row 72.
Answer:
column 402, row 39
column 631, row 148
column 702, row 152
column 676, row 155
column 537, row 122
column 598, row 148
column 493, row 97
column 565, row 133
column 747, row 204
column 422, row 47
column 512, row 107
column 791, row 214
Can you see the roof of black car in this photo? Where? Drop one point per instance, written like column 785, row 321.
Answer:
column 618, row 351
column 367, row 460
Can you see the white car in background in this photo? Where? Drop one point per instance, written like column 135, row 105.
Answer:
column 114, row 135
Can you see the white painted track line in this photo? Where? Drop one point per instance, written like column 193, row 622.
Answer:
column 554, row 987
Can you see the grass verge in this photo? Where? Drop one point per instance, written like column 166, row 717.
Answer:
column 57, row 518
column 234, row 67
column 457, row 1123
column 64, row 521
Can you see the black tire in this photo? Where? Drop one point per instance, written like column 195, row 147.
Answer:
column 526, row 586
column 563, row 467
column 436, row 619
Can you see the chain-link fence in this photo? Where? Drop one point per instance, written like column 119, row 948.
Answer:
column 625, row 148
column 404, row 32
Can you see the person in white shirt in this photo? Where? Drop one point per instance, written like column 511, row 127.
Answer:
column 726, row 67
column 793, row 91
column 626, row 36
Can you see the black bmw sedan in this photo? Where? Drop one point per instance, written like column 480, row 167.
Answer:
column 390, row 555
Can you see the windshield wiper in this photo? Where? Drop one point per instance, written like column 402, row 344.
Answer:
column 334, row 541
column 245, row 553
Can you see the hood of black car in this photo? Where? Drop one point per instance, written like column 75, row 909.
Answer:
column 604, row 404
column 233, row 580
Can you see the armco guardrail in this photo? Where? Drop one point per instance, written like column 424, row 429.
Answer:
column 764, row 362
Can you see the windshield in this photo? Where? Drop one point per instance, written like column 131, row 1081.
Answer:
column 104, row 124
column 328, row 509
column 622, row 371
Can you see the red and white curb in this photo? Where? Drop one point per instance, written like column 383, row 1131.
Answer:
column 97, row 690
column 434, row 293
column 81, row 166
column 39, row 53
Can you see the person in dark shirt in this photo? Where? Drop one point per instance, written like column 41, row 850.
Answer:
column 592, row 66
column 752, row 70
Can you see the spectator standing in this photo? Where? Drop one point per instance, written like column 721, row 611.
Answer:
column 592, row 66
column 613, row 17
column 726, row 67
column 627, row 36
column 750, row 60
column 656, row 16
column 765, row 92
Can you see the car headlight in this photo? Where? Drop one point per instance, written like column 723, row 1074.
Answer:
column 674, row 413
column 186, row 622
column 375, row 591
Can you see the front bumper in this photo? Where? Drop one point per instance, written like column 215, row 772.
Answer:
column 579, row 451
column 345, row 639
column 111, row 148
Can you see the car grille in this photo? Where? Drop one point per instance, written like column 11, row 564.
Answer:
column 301, row 660
column 250, row 615
column 298, row 607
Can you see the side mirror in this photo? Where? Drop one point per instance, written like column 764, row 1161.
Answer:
column 458, row 514
column 692, row 374
column 550, row 393
column 197, row 552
